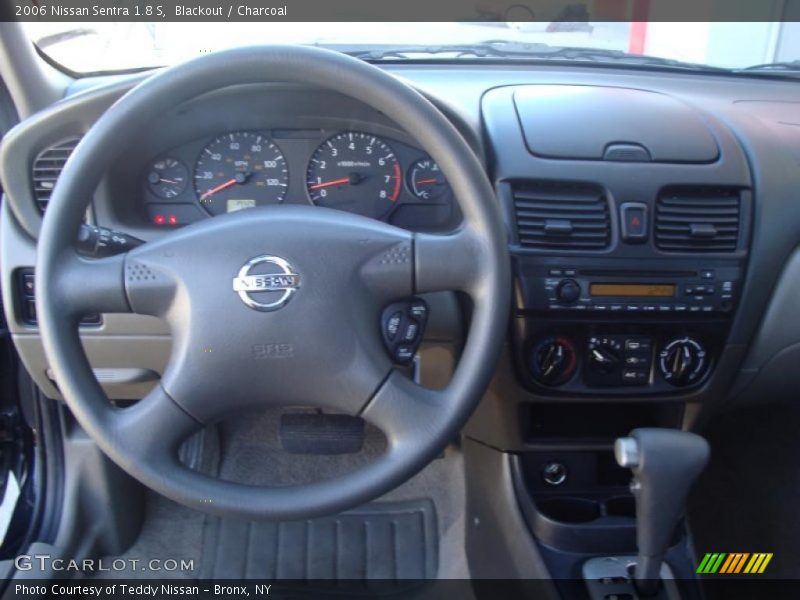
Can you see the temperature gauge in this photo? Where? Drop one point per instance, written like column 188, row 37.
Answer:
column 167, row 178
column 426, row 181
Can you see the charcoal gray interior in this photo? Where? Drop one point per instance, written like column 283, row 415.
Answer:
column 558, row 280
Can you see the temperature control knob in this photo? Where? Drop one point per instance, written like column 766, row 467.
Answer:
column 568, row 291
column 553, row 360
column 683, row 361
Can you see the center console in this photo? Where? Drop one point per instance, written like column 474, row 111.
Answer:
column 629, row 218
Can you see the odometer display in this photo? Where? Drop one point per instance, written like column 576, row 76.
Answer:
column 357, row 172
column 239, row 170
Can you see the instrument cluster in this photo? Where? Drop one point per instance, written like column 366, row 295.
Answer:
column 354, row 171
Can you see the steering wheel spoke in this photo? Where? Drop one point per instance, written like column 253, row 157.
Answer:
column 152, row 429
column 405, row 411
column 90, row 285
column 447, row 262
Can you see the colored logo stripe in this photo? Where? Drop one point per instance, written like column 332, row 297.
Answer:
column 711, row 562
column 758, row 563
column 733, row 563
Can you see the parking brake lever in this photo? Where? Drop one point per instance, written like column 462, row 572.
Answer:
column 665, row 464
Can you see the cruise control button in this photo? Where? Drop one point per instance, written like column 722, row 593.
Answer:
column 393, row 325
column 403, row 354
column 419, row 310
column 411, row 331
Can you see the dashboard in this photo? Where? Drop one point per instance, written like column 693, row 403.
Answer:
column 246, row 150
column 677, row 287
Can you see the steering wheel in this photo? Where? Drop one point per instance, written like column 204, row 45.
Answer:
column 334, row 273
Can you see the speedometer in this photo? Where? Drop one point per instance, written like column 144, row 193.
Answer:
column 240, row 170
column 357, row 172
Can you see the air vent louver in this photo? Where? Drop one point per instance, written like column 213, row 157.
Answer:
column 47, row 167
column 697, row 220
column 558, row 216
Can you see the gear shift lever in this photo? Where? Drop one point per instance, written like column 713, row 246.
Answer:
column 665, row 463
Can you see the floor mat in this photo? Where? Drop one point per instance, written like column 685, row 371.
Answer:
column 385, row 540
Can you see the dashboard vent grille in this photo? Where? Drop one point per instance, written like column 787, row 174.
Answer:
column 697, row 220
column 47, row 167
column 558, row 216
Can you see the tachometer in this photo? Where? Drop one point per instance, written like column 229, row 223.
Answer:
column 240, row 170
column 357, row 172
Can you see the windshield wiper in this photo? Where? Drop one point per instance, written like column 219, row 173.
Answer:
column 504, row 49
column 791, row 68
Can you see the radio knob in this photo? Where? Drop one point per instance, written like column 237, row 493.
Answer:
column 683, row 361
column 568, row 291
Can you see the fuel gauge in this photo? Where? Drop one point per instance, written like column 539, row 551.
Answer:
column 167, row 178
column 426, row 181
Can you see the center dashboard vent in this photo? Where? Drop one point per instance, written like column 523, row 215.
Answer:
column 698, row 220
column 48, row 166
column 561, row 215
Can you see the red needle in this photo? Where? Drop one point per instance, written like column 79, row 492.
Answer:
column 325, row 184
column 219, row 188
column 424, row 181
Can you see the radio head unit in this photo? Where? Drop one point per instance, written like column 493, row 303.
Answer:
column 702, row 289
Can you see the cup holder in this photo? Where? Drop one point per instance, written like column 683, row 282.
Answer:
column 570, row 510
column 621, row 506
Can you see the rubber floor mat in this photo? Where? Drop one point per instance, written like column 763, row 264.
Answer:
column 385, row 541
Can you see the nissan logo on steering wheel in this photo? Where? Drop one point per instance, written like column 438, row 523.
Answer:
column 266, row 283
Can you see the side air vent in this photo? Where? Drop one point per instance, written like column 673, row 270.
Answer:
column 47, row 167
column 559, row 216
column 697, row 220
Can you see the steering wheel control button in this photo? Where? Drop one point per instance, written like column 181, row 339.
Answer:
column 404, row 354
column 411, row 332
column 266, row 283
column 403, row 326
column 393, row 325
column 554, row 474
column 634, row 222
column 419, row 310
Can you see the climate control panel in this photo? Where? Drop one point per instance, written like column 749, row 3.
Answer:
column 615, row 362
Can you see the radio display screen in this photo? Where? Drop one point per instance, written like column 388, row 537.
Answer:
column 643, row 290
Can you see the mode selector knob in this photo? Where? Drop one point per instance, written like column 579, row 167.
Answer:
column 683, row 361
column 568, row 291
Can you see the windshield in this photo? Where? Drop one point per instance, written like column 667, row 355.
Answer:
column 95, row 47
